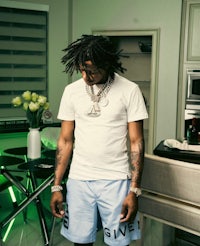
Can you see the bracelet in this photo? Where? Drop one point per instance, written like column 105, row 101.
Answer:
column 137, row 191
column 55, row 188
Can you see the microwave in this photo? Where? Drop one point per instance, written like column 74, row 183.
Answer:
column 193, row 87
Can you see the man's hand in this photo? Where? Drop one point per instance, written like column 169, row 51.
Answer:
column 56, row 204
column 129, row 208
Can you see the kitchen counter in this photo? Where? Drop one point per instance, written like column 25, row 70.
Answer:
column 171, row 197
column 170, row 192
column 176, row 154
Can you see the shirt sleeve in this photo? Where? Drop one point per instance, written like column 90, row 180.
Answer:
column 136, row 109
column 66, row 109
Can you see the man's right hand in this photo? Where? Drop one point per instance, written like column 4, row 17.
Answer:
column 56, row 204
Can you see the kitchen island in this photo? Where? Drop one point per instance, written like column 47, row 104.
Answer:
column 171, row 197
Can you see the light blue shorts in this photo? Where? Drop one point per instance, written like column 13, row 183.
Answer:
column 85, row 199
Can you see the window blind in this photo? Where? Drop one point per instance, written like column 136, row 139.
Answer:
column 23, row 57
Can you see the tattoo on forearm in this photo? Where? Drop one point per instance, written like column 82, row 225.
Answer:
column 57, row 162
column 137, row 158
column 58, row 157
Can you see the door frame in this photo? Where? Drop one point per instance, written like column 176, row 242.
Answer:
column 155, row 33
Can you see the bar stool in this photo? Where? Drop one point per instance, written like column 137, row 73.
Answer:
column 30, row 196
column 19, row 152
column 41, row 168
column 6, row 184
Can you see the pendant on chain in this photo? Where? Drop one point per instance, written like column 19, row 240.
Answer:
column 99, row 100
column 94, row 110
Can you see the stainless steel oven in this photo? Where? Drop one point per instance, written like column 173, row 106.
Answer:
column 193, row 89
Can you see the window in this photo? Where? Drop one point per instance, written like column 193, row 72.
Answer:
column 23, row 57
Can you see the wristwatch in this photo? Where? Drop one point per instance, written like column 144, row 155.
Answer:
column 137, row 191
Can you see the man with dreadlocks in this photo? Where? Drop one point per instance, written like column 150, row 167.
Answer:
column 98, row 112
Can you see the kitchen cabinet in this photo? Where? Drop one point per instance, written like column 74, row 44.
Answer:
column 193, row 44
column 140, row 58
column 189, row 56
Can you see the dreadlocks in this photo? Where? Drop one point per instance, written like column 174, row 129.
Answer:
column 97, row 49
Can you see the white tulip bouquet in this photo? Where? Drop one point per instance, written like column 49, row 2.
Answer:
column 34, row 105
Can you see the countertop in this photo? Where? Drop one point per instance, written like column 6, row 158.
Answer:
column 181, row 155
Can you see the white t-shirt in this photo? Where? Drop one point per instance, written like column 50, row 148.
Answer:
column 100, row 150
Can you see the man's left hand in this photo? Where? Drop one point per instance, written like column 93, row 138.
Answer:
column 129, row 208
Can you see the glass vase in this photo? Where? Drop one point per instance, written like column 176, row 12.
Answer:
column 34, row 143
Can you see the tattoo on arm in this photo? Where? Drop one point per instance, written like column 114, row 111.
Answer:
column 137, row 158
column 57, row 162
column 58, row 156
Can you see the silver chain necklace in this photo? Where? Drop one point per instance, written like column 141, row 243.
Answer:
column 99, row 99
